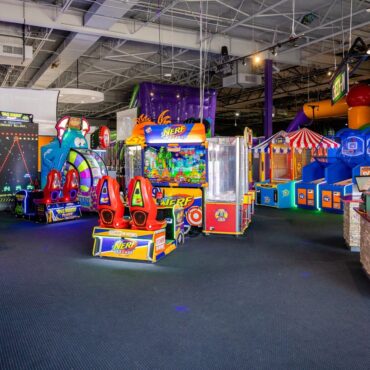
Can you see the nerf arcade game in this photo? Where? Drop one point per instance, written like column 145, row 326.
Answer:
column 70, row 150
column 174, row 158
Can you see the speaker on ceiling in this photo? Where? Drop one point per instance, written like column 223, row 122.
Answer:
column 224, row 51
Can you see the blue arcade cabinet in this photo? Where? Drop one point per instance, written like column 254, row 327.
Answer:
column 353, row 159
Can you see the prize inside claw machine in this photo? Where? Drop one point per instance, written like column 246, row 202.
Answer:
column 228, row 203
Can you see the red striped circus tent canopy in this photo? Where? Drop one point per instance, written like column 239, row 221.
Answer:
column 307, row 139
column 264, row 147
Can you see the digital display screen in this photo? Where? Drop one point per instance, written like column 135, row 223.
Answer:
column 185, row 164
column 339, row 86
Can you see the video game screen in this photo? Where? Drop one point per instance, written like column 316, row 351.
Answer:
column 184, row 164
column 18, row 152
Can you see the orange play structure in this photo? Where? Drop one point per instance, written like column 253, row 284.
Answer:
column 356, row 105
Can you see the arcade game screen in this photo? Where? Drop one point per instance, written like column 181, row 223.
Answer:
column 185, row 164
column 18, row 152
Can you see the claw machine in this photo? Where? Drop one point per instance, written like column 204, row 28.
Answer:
column 227, row 204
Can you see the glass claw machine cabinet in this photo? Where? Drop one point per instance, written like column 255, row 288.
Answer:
column 228, row 203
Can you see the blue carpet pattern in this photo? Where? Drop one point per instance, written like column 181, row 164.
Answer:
column 288, row 295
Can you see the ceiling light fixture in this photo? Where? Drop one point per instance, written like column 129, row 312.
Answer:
column 368, row 50
column 256, row 59
column 168, row 75
column 237, row 114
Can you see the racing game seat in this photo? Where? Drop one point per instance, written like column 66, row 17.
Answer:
column 52, row 189
column 142, row 206
column 110, row 206
column 71, row 185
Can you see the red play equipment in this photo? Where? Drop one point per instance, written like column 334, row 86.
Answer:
column 52, row 189
column 143, row 208
column 71, row 186
column 110, row 206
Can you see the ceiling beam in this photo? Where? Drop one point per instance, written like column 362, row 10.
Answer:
column 43, row 15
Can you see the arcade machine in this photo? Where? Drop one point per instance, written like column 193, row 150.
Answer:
column 150, row 232
column 227, row 205
column 261, row 158
column 174, row 159
column 289, row 154
column 313, row 175
column 18, row 155
column 352, row 160
column 70, row 150
column 52, row 204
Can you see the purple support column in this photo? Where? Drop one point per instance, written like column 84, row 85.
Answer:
column 267, row 124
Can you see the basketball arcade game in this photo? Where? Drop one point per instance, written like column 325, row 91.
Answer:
column 353, row 159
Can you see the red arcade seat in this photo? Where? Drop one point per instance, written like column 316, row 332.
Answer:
column 110, row 206
column 143, row 208
column 51, row 192
column 71, row 185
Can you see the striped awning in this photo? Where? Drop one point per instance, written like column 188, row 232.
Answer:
column 265, row 145
column 307, row 139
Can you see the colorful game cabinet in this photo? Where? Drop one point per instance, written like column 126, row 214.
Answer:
column 353, row 159
column 307, row 191
column 69, row 150
column 148, row 234
column 289, row 154
column 228, row 205
column 54, row 203
column 174, row 158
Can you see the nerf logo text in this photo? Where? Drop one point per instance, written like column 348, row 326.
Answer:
column 184, row 201
column 124, row 247
column 174, row 130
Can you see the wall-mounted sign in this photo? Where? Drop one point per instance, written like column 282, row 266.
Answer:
column 340, row 85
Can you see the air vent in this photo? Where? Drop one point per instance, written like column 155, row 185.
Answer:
column 12, row 54
column 9, row 49
column 242, row 80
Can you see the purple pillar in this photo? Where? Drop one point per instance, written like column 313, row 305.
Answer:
column 267, row 124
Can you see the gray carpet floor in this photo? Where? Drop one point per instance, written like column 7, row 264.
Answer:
column 287, row 295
